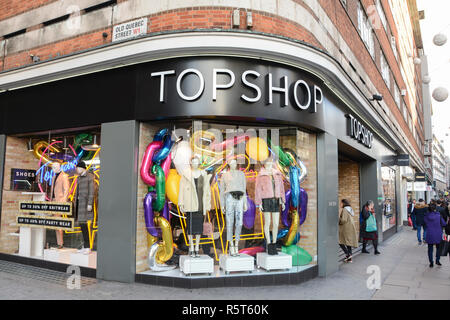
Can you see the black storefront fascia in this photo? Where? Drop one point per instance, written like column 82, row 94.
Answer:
column 131, row 93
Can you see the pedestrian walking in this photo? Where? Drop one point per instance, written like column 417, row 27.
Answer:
column 411, row 213
column 347, row 230
column 368, row 227
column 434, row 223
column 421, row 208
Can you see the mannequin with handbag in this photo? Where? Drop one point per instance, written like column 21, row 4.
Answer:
column 233, row 201
column 269, row 194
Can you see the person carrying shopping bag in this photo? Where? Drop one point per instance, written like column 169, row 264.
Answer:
column 347, row 230
column 368, row 228
column 434, row 224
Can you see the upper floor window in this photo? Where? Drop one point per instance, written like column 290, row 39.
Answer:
column 397, row 96
column 365, row 30
column 385, row 71
column 394, row 46
column 381, row 14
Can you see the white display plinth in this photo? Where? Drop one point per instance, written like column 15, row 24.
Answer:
column 281, row 261
column 84, row 260
column 202, row 264
column 243, row 262
column 59, row 255
column 32, row 240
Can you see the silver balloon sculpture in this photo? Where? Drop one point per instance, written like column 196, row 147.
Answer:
column 155, row 266
column 426, row 79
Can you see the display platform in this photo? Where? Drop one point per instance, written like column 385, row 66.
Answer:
column 202, row 264
column 281, row 261
column 241, row 263
column 71, row 256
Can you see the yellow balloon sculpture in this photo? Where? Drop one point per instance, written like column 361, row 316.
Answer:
column 257, row 149
column 173, row 186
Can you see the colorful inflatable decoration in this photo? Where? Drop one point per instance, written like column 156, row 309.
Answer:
column 300, row 257
column 173, row 186
column 81, row 140
column 147, row 163
column 40, row 151
column 257, row 149
column 249, row 215
column 252, row 251
column 154, row 171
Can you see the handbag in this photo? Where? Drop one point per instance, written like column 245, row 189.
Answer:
column 371, row 224
column 410, row 224
column 207, row 228
column 444, row 246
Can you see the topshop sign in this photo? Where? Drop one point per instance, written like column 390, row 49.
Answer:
column 359, row 132
column 295, row 92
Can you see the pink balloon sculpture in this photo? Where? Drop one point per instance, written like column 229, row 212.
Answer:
column 147, row 163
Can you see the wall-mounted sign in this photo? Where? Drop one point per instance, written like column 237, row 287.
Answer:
column 401, row 160
column 129, row 30
column 420, row 186
column 295, row 92
column 420, row 176
column 23, row 179
column 46, row 207
column 46, row 222
column 359, row 132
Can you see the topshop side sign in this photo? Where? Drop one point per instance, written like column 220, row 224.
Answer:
column 359, row 132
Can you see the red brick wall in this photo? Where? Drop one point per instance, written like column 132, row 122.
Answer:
column 9, row 8
column 349, row 186
column 344, row 19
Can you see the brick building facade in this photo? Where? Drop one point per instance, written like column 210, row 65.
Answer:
column 351, row 50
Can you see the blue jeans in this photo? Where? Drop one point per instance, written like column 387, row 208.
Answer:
column 413, row 219
column 419, row 229
column 430, row 252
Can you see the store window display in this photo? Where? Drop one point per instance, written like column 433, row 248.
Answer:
column 66, row 168
column 255, row 196
column 389, row 203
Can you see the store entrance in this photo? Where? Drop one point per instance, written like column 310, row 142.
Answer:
column 350, row 162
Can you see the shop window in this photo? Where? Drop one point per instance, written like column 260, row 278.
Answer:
column 389, row 200
column 365, row 30
column 236, row 198
column 50, row 196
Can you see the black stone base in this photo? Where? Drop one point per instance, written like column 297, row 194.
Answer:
column 234, row 281
column 56, row 266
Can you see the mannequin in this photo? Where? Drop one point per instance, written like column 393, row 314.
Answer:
column 269, row 193
column 84, row 201
column 233, row 200
column 194, row 200
column 59, row 192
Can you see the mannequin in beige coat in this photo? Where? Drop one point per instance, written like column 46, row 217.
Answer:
column 59, row 193
column 188, row 201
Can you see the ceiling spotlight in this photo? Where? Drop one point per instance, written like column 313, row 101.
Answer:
column 376, row 97
column 91, row 147
column 65, row 147
column 30, row 145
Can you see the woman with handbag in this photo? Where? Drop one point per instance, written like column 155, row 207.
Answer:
column 368, row 227
column 434, row 223
column 347, row 230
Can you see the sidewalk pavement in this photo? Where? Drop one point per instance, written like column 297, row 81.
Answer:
column 404, row 275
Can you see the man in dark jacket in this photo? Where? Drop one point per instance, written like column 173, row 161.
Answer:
column 421, row 209
column 412, row 213
column 440, row 209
